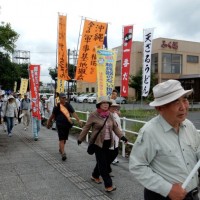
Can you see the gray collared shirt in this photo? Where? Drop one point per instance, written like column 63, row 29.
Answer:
column 160, row 157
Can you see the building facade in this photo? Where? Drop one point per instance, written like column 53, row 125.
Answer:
column 171, row 59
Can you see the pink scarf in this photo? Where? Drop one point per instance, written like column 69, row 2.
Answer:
column 103, row 113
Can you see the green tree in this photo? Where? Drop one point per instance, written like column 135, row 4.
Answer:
column 71, row 71
column 53, row 73
column 10, row 72
column 8, row 37
column 136, row 83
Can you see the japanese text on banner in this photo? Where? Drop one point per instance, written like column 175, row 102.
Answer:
column 60, row 86
column 34, row 75
column 126, row 56
column 62, row 50
column 106, row 63
column 92, row 38
column 146, row 74
column 23, row 86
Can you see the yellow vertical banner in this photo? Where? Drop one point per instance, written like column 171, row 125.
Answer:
column 15, row 86
column 60, row 86
column 23, row 86
column 62, row 50
column 106, row 63
column 92, row 38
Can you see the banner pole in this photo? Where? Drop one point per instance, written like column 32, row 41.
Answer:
column 188, row 179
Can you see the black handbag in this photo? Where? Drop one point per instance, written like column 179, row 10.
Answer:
column 91, row 146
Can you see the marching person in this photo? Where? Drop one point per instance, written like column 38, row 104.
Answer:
column 114, row 95
column 51, row 102
column 10, row 111
column 103, row 142
column 167, row 147
column 114, row 109
column 25, row 110
column 61, row 114
column 3, row 104
column 18, row 100
column 36, row 121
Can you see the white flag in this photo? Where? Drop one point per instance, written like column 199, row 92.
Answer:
column 146, row 73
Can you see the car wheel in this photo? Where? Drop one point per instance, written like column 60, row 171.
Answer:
column 85, row 100
column 94, row 101
column 123, row 102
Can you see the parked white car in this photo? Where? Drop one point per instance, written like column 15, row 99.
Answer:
column 83, row 98
column 72, row 95
column 121, row 100
column 92, row 99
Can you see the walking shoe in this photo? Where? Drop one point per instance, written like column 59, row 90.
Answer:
column 64, row 157
column 25, row 129
column 96, row 180
column 9, row 134
column 110, row 189
column 36, row 139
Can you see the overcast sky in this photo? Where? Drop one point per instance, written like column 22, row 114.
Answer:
column 36, row 22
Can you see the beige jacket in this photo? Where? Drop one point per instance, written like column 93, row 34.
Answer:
column 95, row 122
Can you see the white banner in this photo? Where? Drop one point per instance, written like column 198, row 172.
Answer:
column 146, row 73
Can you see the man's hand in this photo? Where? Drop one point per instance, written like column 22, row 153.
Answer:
column 124, row 139
column 177, row 192
column 80, row 123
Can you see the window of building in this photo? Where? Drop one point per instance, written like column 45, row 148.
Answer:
column 93, row 90
column 154, row 63
column 87, row 89
column 118, row 68
column 171, row 63
column 192, row 59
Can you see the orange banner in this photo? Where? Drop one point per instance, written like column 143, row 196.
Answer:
column 92, row 38
column 62, row 50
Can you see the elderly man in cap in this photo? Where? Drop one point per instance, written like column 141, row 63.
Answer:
column 62, row 114
column 167, row 147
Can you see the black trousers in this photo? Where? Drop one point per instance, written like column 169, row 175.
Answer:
column 150, row 195
column 102, row 167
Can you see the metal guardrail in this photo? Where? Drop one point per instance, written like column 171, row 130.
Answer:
column 124, row 128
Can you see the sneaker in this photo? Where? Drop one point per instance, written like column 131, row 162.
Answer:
column 25, row 129
column 9, row 134
column 36, row 139
column 110, row 189
column 96, row 180
column 115, row 162
column 64, row 157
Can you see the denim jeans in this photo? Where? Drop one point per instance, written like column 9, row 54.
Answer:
column 10, row 122
column 36, row 124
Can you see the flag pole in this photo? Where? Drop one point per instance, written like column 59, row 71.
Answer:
column 188, row 179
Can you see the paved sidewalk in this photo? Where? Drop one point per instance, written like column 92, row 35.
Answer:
column 33, row 170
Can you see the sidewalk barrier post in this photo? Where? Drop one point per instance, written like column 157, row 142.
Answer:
column 87, row 116
column 123, row 129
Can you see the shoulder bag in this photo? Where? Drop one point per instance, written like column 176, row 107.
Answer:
column 91, row 146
